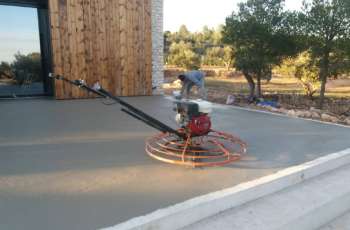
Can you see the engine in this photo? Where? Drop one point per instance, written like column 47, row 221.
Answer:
column 193, row 116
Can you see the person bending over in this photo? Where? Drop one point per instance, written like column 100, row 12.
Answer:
column 190, row 79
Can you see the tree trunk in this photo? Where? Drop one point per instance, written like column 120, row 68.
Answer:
column 228, row 65
column 251, row 84
column 323, row 77
column 258, row 86
column 323, row 90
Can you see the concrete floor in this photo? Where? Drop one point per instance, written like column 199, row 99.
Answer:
column 81, row 164
column 340, row 223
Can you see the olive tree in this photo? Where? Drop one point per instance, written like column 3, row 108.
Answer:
column 27, row 68
column 261, row 36
column 218, row 56
column 5, row 70
column 326, row 23
column 182, row 55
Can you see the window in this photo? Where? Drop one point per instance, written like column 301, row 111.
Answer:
column 20, row 54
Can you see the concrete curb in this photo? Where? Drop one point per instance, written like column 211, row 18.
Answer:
column 304, row 206
column 321, row 215
column 196, row 209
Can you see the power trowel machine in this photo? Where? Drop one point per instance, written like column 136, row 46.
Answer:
column 194, row 143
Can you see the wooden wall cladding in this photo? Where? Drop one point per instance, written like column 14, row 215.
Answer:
column 109, row 41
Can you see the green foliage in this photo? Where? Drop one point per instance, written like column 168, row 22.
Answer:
column 308, row 76
column 184, row 34
column 326, row 23
column 181, row 55
column 212, row 56
column 307, row 73
column 304, row 69
column 27, row 68
column 204, row 45
column 261, row 36
column 5, row 71
column 218, row 56
column 340, row 59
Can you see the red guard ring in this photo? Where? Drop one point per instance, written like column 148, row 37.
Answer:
column 214, row 149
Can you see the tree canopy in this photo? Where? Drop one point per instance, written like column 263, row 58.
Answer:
column 261, row 36
column 24, row 67
column 326, row 24
column 187, row 49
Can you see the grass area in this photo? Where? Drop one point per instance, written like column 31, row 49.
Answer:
column 278, row 85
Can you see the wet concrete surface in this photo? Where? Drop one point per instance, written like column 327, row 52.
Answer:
column 81, row 165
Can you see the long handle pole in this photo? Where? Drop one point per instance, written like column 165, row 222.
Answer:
column 131, row 110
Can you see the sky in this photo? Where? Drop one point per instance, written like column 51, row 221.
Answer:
column 197, row 13
column 18, row 31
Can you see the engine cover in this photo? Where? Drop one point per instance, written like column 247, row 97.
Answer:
column 199, row 125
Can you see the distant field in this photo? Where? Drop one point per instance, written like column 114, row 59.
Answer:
column 278, row 85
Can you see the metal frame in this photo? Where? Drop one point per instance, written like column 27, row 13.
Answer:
column 214, row 149
column 25, row 3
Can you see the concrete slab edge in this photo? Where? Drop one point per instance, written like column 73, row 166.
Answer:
column 281, row 115
column 196, row 209
column 271, row 113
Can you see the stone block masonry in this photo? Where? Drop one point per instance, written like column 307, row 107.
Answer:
column 157, row 46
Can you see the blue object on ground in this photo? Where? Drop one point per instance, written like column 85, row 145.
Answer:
column 268, row 103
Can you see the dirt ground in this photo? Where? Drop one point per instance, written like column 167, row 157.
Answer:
column 234, row 82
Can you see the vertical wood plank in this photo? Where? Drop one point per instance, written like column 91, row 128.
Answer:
column 99, row 38
column 103, row 43
column 130, row 46
column 94, row 68
column 87, row 41
column 136, row 42
column 56, row 44
column 116, row 70
column 72, row 36
column 140, row 49
column 105, row 40
column 65, row 47
column 109, row 46
column 148, row 47
column 123, row 46
column 80, row 41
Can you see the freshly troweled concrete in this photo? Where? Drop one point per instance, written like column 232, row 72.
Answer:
column 340, row 223
column 81, row 165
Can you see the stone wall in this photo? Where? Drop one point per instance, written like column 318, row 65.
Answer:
column 157, row 46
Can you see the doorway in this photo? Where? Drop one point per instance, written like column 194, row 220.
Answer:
column 24, row 49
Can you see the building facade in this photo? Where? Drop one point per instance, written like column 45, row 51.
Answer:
column 116, row 42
